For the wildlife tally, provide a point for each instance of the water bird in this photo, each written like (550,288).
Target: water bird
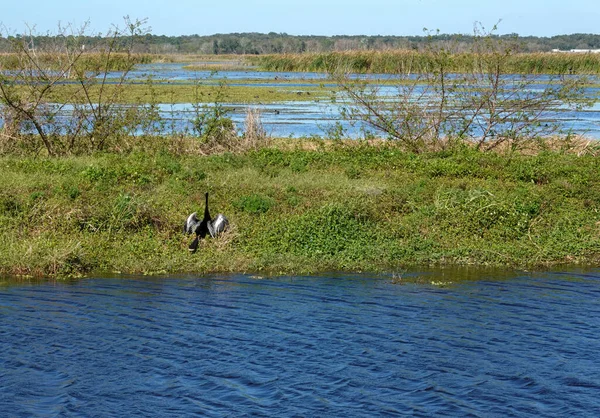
(213,227)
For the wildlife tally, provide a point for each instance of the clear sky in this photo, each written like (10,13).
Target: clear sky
(313,17)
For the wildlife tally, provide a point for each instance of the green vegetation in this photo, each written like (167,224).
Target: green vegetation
(293,209)
(406,61)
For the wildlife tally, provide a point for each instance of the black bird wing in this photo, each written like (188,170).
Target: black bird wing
(191,224)
(200,228)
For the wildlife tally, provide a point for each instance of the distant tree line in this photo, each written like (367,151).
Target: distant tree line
(270,43)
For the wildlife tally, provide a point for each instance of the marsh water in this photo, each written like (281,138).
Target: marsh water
(311,116)
(318,118)
(423,343)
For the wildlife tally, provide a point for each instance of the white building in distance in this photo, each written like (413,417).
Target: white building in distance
(579,51)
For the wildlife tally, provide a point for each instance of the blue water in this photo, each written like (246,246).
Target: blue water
(437,343)
(313,118)
(310,117)
(306,119)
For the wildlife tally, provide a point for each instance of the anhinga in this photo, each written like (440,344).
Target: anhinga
(207,225)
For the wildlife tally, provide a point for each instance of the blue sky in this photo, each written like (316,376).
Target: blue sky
(313,17)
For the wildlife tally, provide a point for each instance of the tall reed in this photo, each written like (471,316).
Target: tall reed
(403,61)
(88,61)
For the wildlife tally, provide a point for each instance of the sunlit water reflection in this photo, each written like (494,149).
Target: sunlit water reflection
(307,118)
(320,118)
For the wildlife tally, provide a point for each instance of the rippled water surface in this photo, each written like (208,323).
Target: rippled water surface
(319,117)
(308,118)
(426,344)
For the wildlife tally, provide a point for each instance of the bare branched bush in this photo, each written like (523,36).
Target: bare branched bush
(434,108)
(61,91)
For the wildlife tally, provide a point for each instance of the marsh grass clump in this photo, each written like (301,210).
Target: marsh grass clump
(218,133)
(118,61)
(255,136)
(402,61)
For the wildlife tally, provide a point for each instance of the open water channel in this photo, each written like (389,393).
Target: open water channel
(427,343)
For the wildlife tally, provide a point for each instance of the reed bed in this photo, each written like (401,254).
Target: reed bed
(404,61)
(92,60)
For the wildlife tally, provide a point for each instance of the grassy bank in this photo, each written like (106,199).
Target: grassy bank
(165,92)
(401,61)
(340,207)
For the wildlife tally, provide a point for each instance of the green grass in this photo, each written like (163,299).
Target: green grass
(142,92)
(350,208)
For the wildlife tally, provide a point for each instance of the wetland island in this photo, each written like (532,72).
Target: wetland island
(473,150)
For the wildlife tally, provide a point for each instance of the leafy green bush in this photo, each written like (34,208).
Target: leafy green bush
(254,204)
(331,231)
